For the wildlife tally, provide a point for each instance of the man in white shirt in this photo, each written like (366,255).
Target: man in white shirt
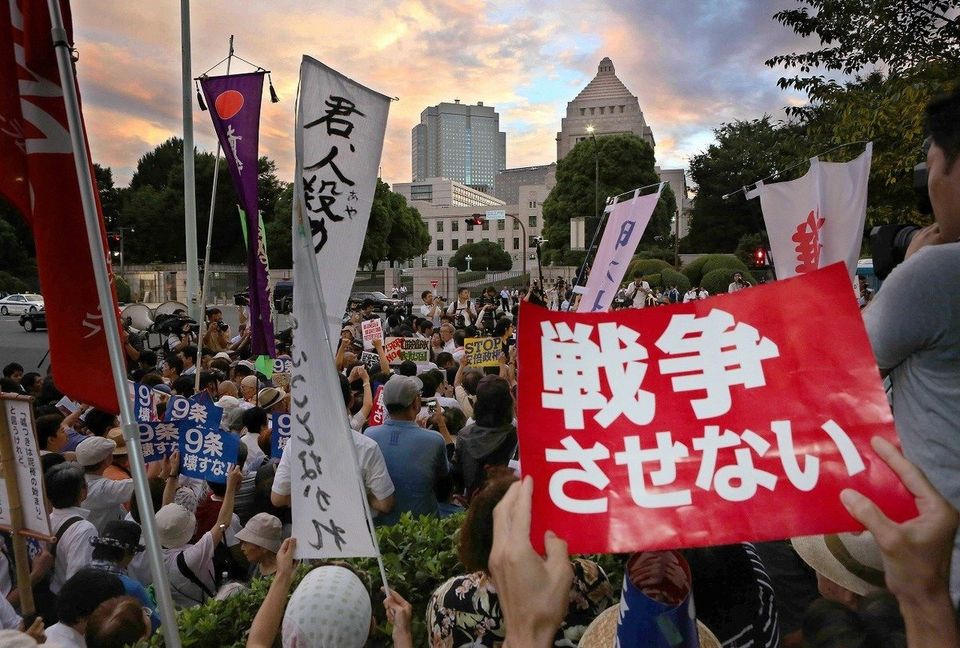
(432,307)
(738,283)
(105,497)
(637,291)
(189,357)
(690,295)
(80,596)
(462,310)
(66,489)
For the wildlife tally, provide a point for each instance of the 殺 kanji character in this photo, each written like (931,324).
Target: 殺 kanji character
(807,238)
(588,472)
(212,444)
(197,413)
(743,472)
(666,454)
(571,374)
(803,479)
(848,452)
(715,353)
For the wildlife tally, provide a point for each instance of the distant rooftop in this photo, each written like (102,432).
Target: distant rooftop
(606,85)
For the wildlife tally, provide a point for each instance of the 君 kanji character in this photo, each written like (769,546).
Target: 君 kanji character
(666,454)
(588,472)
(743,472)
(571,374)
(339,107)
(715,353)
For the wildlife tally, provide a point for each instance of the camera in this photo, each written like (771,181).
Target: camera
(240,299)
(223,326)
(889,243)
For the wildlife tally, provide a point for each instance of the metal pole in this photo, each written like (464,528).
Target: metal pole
(524,246)
(121,252)
(202,322)
(596,204)
(189,185)
(131,432)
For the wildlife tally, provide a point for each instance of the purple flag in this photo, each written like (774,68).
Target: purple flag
(235,109)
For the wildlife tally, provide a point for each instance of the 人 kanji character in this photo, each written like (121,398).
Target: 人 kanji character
(588,473)
(715,353)
(666,454)
(743,472)
(571,370)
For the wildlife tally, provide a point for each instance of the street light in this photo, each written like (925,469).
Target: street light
(468,259)
(118,236)
(596,202)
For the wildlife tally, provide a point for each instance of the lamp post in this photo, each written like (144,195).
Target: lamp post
(468,259)
(596,204)
(526,242)
(119,238)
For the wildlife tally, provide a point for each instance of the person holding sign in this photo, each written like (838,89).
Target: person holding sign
(66,490)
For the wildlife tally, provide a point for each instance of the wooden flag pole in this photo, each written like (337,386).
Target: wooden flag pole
(20,557)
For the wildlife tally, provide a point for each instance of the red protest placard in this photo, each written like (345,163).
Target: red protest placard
(372,330)
(736,418)
(378,413)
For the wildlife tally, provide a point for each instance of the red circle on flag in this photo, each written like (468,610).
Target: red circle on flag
(228,103)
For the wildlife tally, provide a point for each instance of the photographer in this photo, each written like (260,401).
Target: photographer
(489,309)
(462,309)
(738,283)
(914,322)
(431,307)
(180,330)
(217,336)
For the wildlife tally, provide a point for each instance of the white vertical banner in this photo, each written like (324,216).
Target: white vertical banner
(329,519)
(26,464)
(626,224)
(339,138)
(817,219)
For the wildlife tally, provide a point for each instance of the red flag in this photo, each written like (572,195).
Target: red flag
(39,178)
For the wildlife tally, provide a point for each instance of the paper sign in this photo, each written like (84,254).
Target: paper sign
(282,365)
(400,349)
(26,457)
(370,360)
(177,409)
(717,421)
(483,352)
(279,433)
(158,439)
(205,453)
(434,283)
(143,403)
(372,330)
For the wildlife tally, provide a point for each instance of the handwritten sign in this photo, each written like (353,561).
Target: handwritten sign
(684,425)
(399,349)
(370,360)
(378,413)
(483,352)
(372,330)
(29,472)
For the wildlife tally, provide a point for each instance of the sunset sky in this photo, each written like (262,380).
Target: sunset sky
(694,64)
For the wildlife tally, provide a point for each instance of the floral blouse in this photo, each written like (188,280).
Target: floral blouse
(465,610)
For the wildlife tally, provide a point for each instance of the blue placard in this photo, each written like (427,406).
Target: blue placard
(143,403)
(207,453)
(279,433)
(177,409)
(158,439)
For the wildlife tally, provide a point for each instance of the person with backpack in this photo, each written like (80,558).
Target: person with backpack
(190,567)
(66,489)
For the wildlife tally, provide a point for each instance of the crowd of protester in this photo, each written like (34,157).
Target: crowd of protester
(448,443)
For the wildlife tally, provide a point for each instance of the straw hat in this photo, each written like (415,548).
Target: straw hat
(116,435)
(602,633)
(851,561)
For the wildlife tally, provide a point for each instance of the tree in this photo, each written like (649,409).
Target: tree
(376,243)
(484,255)
(745,152)
(854,35)
(409,237)
(625,163)
(109,195)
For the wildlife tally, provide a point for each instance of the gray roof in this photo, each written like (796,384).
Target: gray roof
(605,85)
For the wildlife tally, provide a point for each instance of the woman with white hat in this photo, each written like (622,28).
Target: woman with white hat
(260,541)
(190,566)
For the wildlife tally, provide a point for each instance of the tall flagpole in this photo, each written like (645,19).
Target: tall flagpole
(131,432)
(202,322)
(189,184)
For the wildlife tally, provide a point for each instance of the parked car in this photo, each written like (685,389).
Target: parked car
(33,321)
(380,301)
(282,297)
(21,303)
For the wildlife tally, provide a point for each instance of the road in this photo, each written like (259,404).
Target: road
(16,345)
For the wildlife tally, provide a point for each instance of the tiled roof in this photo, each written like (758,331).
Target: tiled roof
(605,85)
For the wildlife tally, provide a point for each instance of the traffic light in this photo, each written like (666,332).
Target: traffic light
(760,257)
(474,220)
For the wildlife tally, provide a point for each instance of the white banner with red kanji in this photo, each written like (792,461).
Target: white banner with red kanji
(817,219)
(736,418)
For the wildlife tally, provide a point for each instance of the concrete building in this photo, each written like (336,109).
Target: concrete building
(608,107)
(459,142)
(507,184)
(445,205)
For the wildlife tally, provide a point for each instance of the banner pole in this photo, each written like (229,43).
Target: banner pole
(202,322)
(593,241)
(21,558)
(108,310)
(189,171)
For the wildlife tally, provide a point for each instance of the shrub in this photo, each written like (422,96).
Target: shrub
(653,279)
(122,289)
(646,267)
(419,554)
(718,261)
(11,284)
(694,269)
(717,281)
(671,277)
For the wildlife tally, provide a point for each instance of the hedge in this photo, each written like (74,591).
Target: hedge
(646,267)
(419,554)
(717,281)
(697,269)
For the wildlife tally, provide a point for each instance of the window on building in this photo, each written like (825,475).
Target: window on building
(486,225)
(516,225)
(592,111)
(439,225)
(454,245)
(469,241)
(621,108)
(601,109)
(500,225)
(531,242)
(454,225)
(439,245)
(501,243)
(583,111)
(516,242)
(533,220)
